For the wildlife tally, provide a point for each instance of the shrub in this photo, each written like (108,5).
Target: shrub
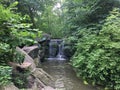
(14,31)
(97,57)
(20,78)
(5,75)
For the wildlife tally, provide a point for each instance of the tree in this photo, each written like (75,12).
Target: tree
(33,8)
(14,31)
(85,13)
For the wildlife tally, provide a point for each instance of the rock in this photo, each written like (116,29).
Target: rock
(45,37)
(27,59)
(43,77)
(9,87)
(44,46)
(41,55)
(24,65)
(48,88)
(37,62)
(34,87)
(31,51)
(38,85)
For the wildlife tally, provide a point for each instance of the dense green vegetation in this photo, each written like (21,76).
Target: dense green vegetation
(90,29)
(95,26)
(5,75)
(43,15)
(14,31)
(97,56)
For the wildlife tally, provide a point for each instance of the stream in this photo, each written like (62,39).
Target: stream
(65,77)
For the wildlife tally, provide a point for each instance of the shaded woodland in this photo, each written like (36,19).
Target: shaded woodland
(90,28)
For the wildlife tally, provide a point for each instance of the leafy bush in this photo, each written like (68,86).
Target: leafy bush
(14,31)
(97,57)
(20,78)
(5,75)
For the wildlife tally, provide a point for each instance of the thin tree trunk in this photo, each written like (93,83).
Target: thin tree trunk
(32,17)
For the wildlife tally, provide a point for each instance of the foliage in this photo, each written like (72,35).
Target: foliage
(20,79)
(18,57)
(5,75)
(79,14)
(41,15)
(14,31)
(70,46)
(85,21)
(50,21)
(97,56)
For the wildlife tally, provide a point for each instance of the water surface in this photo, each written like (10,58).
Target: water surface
(65,78)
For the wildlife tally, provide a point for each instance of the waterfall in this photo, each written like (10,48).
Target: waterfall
(56,47)
(59,52)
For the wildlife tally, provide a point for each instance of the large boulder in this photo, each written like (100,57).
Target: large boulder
(42,80)
(9,87)
(43,77)
(31,51)
(36,86)
(27,59)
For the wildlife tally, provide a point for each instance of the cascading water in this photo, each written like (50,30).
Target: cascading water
(56,47)
(52,48)
(59,52)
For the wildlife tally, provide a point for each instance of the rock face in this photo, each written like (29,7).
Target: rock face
(44,46)
(27,59)
(38,79)
(43,77)
(9,87)
(32,51)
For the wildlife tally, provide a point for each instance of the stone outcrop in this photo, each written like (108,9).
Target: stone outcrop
(27,59)
(43,43)
(39,79)
(9,87)
(32,51)
(43,77)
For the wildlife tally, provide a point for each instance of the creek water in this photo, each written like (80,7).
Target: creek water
(65,77)
(59,68)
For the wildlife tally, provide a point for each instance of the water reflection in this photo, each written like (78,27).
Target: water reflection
(65,76)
